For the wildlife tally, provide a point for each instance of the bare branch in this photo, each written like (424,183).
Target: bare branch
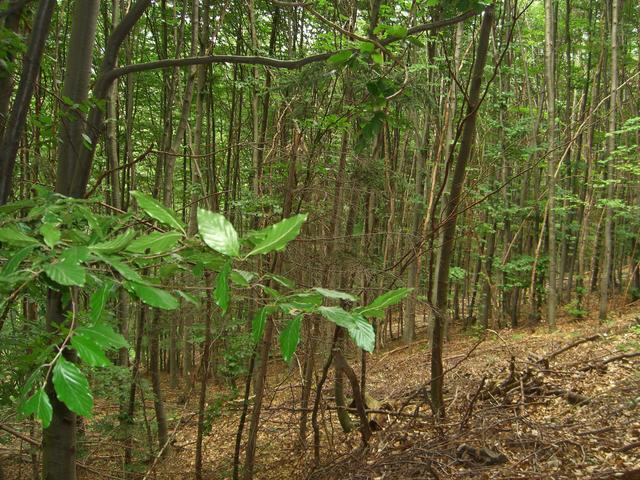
(267,61)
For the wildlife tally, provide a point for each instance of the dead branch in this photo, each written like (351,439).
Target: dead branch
(615,358)
(554,354)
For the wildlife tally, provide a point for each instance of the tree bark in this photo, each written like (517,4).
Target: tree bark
(611,145)
(451,211)
(550,77)
(18,116)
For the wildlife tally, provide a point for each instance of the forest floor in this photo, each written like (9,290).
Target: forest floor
(520,404)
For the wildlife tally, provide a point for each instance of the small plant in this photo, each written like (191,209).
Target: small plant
(575,310)
(477,331)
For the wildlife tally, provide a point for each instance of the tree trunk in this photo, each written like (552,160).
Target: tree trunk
(154,370)
(451,211)
(550,77)
(12,130)
(611,145)
(202,400)
(59,438)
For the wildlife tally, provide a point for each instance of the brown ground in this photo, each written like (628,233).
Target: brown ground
(569,417)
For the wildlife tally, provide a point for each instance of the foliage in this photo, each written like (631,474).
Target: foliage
(56,243)
(574,309)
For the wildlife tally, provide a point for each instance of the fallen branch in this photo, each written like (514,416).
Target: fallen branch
(554,354)
(467,414)
(483,456)
(615,358)
(628,447)
(38,444)
(574,398)
(21,436)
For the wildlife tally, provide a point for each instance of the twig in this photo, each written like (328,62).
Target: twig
(628,447)
(604,362)
(139,158)
(467,414)
(21,436)
(554,354)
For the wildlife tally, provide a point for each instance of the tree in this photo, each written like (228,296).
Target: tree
(452,210)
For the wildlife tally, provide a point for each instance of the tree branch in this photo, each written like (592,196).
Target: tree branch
(267,61)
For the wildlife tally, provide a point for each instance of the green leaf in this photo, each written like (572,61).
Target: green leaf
(9,282)
(122,268)
(39,405)
(218,233)
(91,341)
(369,130)
(155,242)
(377,58)
(209,259)
(156,210)
(92,220)
(340,57)
(168,270)
(154,296)
(16,259)
(359,329)
(221,293)
(362,333)
(397,31)
(273,293)
(77,254)
(99,300)
(13,236)
(334,294)
(258,322)
(190,298)
(66,273)
(102,335)
(278,235)
(376,308)
(89,351)
(337,315)
(114,245)
(290,337)
(17,205)
(241,277)
(284,281)
(366,47)
(305,301)
(72,387)
(50,234)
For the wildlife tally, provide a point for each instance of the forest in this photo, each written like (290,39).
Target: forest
(319,239)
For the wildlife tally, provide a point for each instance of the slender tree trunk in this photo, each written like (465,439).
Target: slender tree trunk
(451,211)
(550,76)
(611,145)
(12,24)
(154,370)
(418,211)
(131,403)
(59,439)
(111,146)
(202,400)
(265,344)
(12,130)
